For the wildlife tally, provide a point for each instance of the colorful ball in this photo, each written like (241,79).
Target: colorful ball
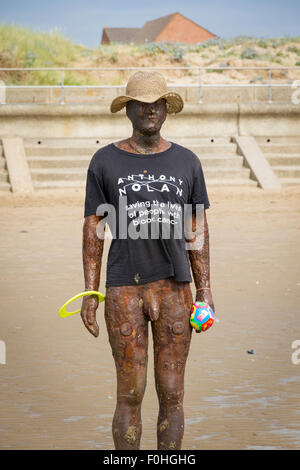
(202,316)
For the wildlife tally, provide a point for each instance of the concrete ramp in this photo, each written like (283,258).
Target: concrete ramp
(283,155)
(256,161)
(16,163)
(4,179)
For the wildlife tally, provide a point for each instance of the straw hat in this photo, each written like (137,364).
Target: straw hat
(148,87)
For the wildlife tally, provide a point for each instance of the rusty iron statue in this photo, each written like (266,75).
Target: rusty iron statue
(164,302)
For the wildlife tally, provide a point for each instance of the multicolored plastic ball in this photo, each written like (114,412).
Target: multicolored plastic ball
(202,316)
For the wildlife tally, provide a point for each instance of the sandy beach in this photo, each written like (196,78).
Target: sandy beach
(58,387)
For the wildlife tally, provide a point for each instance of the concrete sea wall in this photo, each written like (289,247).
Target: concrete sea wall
(87,120)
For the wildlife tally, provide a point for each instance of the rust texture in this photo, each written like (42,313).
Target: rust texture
(92,250)
(200,262)
(164,304)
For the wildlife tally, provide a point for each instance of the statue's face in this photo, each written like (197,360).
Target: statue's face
(147,118)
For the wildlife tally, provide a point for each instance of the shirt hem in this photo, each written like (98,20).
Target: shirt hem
(157,277)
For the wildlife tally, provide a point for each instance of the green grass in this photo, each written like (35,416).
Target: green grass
(38,49)
(22,47)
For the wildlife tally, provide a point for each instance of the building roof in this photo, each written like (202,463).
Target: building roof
(149,32)
(151,29)
(120,34)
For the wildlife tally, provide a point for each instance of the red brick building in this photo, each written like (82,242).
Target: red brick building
(171,28)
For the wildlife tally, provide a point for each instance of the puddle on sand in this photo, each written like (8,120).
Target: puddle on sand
(288,380)
(23,406)
(92,444)
(252,390)
(230,401)
(264,401)
(73,419)
(201,438)
(196,420)
(103,428)
(263,448)
(290,433)
(223,401)
(108,415)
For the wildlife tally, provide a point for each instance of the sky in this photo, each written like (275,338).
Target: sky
(83,21)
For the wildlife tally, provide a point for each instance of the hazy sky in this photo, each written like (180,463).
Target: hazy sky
(82,21)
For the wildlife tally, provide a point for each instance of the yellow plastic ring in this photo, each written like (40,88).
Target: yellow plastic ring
(64,313)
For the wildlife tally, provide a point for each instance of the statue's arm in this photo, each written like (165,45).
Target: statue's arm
(199,259)
(92,251)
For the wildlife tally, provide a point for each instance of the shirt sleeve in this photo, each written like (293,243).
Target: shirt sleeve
(199,192)
(94,194)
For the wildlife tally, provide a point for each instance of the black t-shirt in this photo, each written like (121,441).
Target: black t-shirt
(148,193)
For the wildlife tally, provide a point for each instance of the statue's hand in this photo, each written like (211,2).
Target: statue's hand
(205,295)
(88,314)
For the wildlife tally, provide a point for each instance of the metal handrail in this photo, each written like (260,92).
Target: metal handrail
(195,67)
(200,84)
(172,85)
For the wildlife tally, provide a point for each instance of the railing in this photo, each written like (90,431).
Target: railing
(200,70)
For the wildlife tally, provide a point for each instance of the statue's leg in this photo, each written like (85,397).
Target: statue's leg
(128,336)
(171,336)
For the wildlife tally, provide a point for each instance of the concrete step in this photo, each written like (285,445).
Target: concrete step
(59,184)
(199,140)
(74,161)
(290,181)
(90,150)
(78,161)
(287,171)
(59,151)
(278,139)
(2,162)
(181,140)
(3,176)
(59,163)
(81,183)
(283,159)
(5,186)
(54,174)
(66,142)
(49,174)
(230,182)
(212,149)
(213,173)
(283,148)
(230,161)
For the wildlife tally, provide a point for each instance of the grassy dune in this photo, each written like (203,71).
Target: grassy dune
(21,47)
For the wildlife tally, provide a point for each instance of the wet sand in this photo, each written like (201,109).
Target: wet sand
(58,386)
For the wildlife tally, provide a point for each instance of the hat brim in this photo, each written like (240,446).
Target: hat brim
(174,101)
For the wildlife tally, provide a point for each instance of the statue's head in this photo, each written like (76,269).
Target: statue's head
(147,101)
(147,118)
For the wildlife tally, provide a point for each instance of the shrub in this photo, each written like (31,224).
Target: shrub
(263,43)
(258,78)
(249,54)
(113,59)
(275,43)
(177,55)
(294,49)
